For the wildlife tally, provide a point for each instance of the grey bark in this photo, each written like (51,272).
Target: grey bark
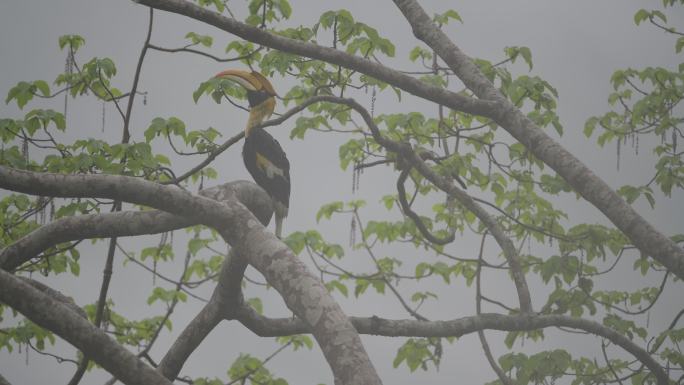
(491,105)
(271,327)
(330,55)
(592,188)
(407,153)
(224,303)
(126,223)
(53,315)
(303,293)
(227,303)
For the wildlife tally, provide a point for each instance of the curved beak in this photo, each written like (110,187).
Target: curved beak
(248,81)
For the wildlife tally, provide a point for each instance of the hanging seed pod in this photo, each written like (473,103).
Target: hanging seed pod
(154,272)
(359,171)
(353,189)
(68,69)
(618,154)
(636,149)
(356,176)
(352,232)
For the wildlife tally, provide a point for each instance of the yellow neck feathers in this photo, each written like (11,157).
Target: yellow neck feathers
(259,113)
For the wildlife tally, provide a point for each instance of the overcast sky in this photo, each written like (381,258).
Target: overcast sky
(576,45)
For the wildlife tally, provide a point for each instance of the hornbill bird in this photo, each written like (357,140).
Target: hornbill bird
(264,158)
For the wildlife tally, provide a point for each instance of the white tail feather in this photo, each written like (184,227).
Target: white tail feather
(279,227)
(280,214)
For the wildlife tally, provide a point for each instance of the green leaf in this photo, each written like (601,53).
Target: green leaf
(42,86)
(510,339)
(195,38)
(154,129)
(22,93)
(527,56)
(443,18)
(107,66)
(284,8)
(203,88)
(630,193)
(640,16)
(74,41)
(197,244)
(256,303)
(351,152)
(335,284)
(388,201)
(649,197)
(361,286)
(453,15)
(659,15)
(327,210)
(421,52)
(590,126)
(642,264)
(176,126)
(414,352)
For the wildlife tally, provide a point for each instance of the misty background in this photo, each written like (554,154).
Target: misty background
(575,46)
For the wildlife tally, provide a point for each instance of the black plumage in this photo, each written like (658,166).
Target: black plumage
(267,163)
(264,158)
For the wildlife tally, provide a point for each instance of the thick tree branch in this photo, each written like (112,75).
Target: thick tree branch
(405,151)
(650,241)
(191,337)
(225,301)
(478,311)
(53,315)
(303,293)
(127,223)
(330,55)
(491,104)
(141,223)
(405,82)
(126,136)
(273,327)
(55,294)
